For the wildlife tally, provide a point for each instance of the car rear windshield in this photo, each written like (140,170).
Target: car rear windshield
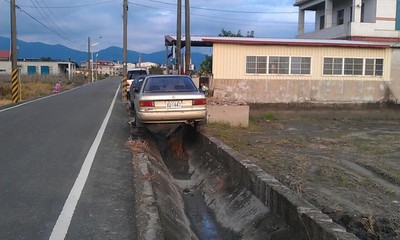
(169,84)
(133,73)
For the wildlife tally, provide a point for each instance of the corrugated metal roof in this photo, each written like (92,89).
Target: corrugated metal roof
(295,42)
(207,40)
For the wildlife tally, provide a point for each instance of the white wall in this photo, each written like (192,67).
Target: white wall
(23,66)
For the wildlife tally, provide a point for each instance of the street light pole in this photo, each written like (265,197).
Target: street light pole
(97,65)
(89,69)
(92,62)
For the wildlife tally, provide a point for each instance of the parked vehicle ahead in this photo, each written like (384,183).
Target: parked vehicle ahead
(136,83)
(131,74)
(169,99)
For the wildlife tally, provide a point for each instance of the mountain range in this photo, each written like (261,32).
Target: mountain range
(38,50)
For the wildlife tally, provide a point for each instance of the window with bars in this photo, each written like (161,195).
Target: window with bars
(278,65)
(353,66)
(251,64)
(374,67)
(333,66)
(256,64)
(300,65)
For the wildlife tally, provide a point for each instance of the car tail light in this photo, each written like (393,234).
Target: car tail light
(200,101)
(146,103)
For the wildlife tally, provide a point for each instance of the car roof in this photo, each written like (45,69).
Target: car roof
(168,76)
(141,76)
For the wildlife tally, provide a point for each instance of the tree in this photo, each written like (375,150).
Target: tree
(206,66)
(250,34)
(224,33)
(155,70)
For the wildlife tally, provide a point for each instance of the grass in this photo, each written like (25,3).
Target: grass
(5,102)
(269,116)
(303,150)
(35,86)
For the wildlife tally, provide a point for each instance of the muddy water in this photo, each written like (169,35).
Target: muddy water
(202,218)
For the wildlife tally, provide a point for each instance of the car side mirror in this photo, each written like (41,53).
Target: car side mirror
(136,90)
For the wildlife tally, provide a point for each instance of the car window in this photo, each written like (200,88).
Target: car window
(169,84)
(138,82)
(133,73)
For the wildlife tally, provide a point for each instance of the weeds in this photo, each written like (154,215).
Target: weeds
(137,145)
(269,116)
(34,86)
(368,224)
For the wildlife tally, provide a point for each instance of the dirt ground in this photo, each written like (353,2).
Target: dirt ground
(344,161)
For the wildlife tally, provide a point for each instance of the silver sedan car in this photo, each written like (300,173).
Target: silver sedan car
(169,99)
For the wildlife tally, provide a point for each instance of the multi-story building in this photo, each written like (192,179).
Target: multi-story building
(367,20)
(103,67)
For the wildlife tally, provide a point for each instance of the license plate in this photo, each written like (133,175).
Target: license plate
(174,104)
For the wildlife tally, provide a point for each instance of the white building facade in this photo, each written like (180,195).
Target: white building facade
(40,67)
(367,20)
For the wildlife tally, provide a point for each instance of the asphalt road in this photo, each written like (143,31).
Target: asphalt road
(45,145)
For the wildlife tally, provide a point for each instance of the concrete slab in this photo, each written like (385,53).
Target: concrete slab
(234,115)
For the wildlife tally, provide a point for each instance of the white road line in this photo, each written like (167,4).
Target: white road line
(64,220)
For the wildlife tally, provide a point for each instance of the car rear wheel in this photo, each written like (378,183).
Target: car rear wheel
(138,123)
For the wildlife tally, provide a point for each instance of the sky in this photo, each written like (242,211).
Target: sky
(71,22)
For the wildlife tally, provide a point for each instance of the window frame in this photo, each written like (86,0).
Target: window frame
(302,64)
(280,68)
(352,65)
(377,66)
(334,69)
(321,22)
(262,65)
(340,17)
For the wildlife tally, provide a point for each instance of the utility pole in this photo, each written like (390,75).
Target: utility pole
(187,38)
(125,51)
(15,85)
(89,68)
(178,36)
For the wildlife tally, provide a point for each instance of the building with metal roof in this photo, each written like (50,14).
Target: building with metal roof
(267,70)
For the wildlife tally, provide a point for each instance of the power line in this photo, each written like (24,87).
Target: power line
(73,6)
(48,18)
(44,25)
(45,17)
(213,18)
(225,10)
(55,17)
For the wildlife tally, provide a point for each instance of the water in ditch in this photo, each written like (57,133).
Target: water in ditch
(201,217)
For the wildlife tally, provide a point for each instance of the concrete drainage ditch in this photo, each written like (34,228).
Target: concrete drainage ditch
(192,186)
